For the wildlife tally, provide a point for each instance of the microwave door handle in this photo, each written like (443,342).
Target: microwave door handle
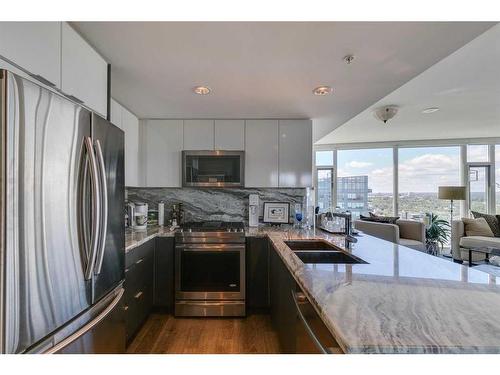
(104,208)
(96,206)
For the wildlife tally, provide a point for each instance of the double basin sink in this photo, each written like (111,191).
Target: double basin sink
(321,252)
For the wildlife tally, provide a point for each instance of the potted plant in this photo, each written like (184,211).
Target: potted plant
(436,234)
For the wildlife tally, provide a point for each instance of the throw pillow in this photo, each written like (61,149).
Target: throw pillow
(477,227)
(495,260)
(492,221)
(379,219)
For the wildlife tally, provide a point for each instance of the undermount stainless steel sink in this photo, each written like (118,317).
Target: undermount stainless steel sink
(311,245)
(321,252)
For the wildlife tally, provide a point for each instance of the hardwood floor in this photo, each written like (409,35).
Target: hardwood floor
(164,333)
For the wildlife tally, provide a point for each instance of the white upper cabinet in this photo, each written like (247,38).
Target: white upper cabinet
(129,123)
(229,135)
(116,113)
(198,134)
(295,153)
(161,152)
(261,153)
(83,71)
(34,46)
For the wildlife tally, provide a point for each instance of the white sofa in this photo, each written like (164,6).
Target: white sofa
(409,233)
(460,243)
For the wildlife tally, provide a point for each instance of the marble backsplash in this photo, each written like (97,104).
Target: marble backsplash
(215,204)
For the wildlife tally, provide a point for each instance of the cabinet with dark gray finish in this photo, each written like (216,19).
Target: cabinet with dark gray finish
(139,272)
(283,310)
(164,273)
(257,273)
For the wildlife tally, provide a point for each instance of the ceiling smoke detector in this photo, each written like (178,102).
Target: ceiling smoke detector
(202,90)
(384,114)
(348,59)
(322,90)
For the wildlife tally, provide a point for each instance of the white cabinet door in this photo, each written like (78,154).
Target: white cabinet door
(230,135)
(84,71)
(162,146)
(295,153)
(34,46)
(130,125)
(116,113)
(261,153)
(198,134)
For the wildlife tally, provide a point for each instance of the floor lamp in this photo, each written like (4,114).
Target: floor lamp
(452,193)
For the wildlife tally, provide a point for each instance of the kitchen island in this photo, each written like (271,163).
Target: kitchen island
(400,301)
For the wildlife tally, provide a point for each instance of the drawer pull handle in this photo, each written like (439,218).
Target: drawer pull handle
(139,261)
(138,295)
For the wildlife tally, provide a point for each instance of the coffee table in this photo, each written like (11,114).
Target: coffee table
(487,250)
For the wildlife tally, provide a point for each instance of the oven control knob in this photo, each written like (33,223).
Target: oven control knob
(229,230)
(190,230)
(241,230)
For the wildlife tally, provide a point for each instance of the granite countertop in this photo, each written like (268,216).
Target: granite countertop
(401,301)
(134,238)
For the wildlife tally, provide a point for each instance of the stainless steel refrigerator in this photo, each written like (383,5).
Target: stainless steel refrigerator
(61,224)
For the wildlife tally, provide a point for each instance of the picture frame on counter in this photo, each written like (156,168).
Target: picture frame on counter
(276,212)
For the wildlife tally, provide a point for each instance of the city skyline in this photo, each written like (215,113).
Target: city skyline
(421,170)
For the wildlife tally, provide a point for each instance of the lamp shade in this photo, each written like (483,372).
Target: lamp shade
(456,193)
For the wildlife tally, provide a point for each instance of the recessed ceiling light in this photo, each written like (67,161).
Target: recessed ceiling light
(430,110)
(322,90)
(202,90)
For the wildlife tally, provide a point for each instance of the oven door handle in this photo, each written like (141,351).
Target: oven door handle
(214,247)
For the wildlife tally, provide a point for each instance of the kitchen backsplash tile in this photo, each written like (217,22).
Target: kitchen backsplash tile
(214,204)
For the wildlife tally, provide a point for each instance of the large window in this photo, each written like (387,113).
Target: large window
(325,189)
(324,178)
(477,153)
(421,171)
(365,181)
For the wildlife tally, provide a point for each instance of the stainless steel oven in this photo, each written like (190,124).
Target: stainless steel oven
(210,269)
(213,168)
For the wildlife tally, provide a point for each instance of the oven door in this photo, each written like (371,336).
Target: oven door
(210,272)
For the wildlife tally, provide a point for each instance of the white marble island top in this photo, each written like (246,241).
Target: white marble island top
(402,301)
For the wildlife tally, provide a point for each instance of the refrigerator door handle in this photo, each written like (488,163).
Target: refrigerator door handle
(96,207)
(87,327)
(104,211)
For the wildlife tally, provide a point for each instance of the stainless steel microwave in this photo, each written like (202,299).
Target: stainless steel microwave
(213,168)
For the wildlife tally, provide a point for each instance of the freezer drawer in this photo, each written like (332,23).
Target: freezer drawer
(106,337)
(100,330)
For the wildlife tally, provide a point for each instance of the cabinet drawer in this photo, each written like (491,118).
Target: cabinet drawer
(139,252)
(137,310)
(138,276)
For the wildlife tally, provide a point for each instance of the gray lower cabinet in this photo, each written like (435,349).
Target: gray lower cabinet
(283,310)
(139,287)
(164,273)
(257,273)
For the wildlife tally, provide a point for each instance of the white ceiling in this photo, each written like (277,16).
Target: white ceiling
(465,86)
(267,70)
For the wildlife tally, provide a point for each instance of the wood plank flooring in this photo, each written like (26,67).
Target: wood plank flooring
(164,333)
